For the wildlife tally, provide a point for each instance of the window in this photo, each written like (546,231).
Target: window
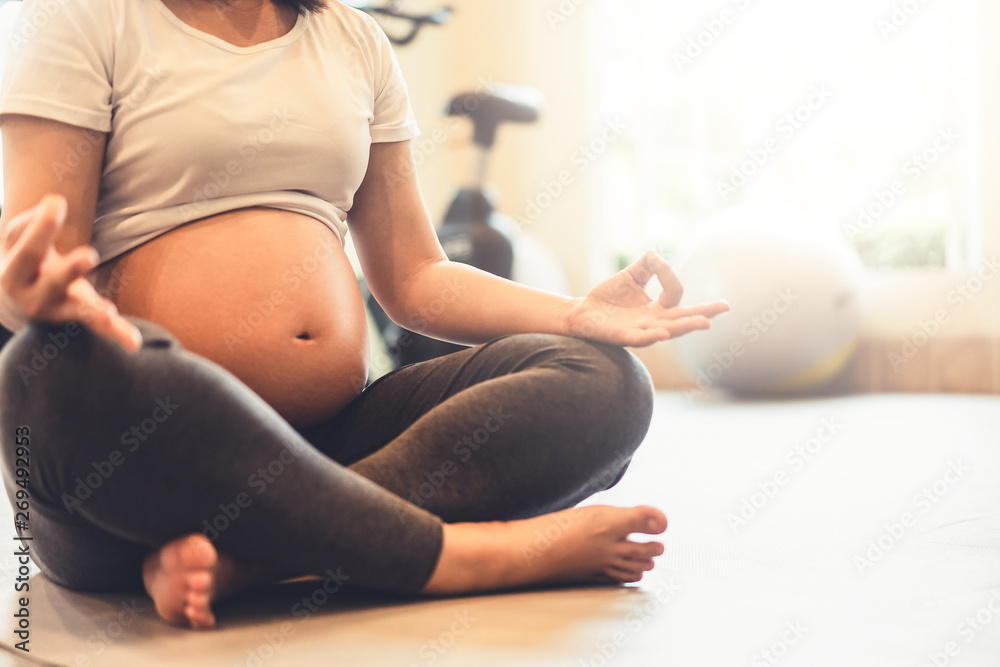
(865,113)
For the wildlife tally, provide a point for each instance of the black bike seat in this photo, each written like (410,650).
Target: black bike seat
(500,104)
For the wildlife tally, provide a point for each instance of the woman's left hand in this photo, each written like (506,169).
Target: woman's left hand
(618,311)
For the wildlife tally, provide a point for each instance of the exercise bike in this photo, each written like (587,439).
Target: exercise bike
(473,231)
(389,15)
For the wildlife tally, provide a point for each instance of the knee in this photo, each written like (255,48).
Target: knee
(67,370)
(43,356)
(604,387)
(70,387)
(618,388)
(38,355)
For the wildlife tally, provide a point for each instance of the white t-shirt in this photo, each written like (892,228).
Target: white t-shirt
(198,126)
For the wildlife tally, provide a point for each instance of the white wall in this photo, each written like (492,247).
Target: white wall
(510,42)
(514,42)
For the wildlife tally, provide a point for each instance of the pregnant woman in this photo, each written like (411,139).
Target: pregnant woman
(179,178)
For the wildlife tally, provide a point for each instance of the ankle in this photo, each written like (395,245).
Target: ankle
(474,556)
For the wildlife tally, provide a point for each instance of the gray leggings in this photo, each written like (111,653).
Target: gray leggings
(127,452)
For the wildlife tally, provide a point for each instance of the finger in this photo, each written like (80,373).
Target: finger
(646,337)
(652,264)
(671,284)
(705,309)
(60,272)
(106,321)
(15,226)
(643,268)
(39,235)
(127,334)
(101,316)
(687,325)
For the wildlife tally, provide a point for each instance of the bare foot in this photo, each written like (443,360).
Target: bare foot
(587,544)
(186,575)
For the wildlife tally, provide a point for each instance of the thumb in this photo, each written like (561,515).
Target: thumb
(652,264)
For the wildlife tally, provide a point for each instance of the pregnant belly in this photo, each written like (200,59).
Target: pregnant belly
(268,295)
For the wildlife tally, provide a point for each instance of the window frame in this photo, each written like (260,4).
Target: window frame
(898,299)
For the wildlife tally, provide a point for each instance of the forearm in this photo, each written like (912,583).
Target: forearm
(462,304)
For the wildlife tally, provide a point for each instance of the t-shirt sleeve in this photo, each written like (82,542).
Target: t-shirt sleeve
(58,63)
(393,115)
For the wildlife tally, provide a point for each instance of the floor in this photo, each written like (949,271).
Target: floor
(841,531)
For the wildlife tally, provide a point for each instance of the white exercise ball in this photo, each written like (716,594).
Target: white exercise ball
(794,285)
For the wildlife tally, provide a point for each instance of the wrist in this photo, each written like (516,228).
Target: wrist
(570,315)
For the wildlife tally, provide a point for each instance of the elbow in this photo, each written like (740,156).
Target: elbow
(427,301)
(400,307)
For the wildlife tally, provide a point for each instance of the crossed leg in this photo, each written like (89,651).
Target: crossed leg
(178,447)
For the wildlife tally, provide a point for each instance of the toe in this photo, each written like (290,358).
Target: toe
(624,575)
(199,618)
(640,551)
(198,553)
(200,580)
(644,519)
(198,600)
(644,565)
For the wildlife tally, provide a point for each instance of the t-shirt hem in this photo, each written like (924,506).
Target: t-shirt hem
(390,134)
(115,237)
(46,108)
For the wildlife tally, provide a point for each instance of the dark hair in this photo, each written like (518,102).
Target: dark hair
(303,6)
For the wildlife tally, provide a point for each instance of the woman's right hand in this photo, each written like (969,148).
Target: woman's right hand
(51,287)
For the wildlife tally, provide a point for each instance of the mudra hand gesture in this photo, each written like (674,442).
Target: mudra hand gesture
(620,312)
